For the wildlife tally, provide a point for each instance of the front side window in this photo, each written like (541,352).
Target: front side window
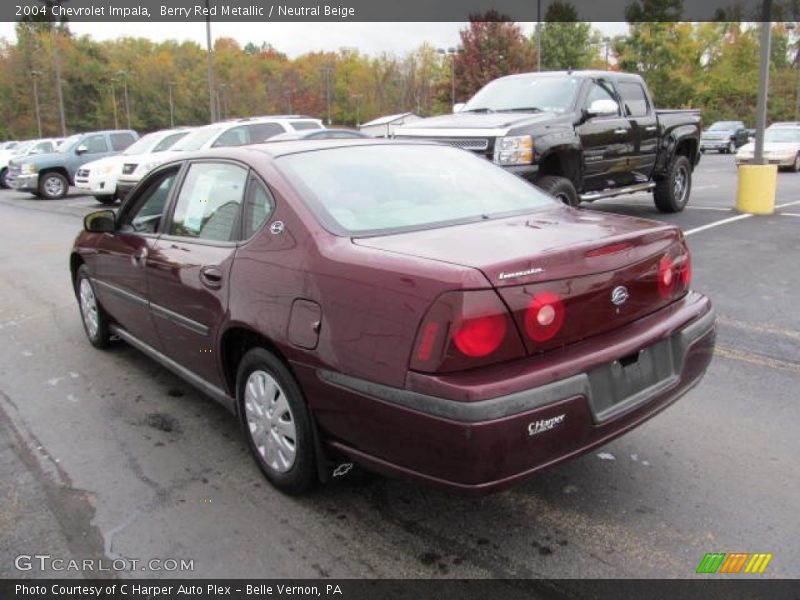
(599,91)
(300,125)
(209,201)
(148,209)
(236,136)
(258,132)
(96,144)
(367,190)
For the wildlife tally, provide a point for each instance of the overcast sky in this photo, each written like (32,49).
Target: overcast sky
(297,38)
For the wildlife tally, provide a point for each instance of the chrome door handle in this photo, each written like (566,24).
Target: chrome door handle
(651,128)
(620,131)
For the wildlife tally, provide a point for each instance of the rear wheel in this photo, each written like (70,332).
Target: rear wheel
(53,186)
(560,187)
(672,192)
(4,183)
(731,147)
(796,164)
(276,421)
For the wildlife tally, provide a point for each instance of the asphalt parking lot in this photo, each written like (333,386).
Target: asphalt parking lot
(105,454)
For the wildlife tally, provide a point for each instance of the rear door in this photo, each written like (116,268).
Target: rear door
(606,141)
(644,129)
(190,264)
(119,266)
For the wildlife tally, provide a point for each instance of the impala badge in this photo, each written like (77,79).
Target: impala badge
(620,295)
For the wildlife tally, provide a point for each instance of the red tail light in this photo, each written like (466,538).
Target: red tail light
(686,268)
(675,272)
(544,316)
(463,330)
(667,277)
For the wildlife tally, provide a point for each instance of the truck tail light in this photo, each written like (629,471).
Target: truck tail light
(463,330)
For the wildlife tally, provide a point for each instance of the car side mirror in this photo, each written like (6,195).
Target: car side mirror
(82,149)
(603,107)
(100,221)
(458,107)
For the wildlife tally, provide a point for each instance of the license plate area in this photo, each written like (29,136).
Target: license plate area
(628,381)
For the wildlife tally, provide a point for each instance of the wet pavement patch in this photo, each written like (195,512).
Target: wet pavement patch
(162,422)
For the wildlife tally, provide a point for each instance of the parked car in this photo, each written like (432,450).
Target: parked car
(99,177)
(22,149)
(578,135)
(781,147)
(403,305)
(320,134)
(725,137)
(237,132)
(49,176)
(8,145)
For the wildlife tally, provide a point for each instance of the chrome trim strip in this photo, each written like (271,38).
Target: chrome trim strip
(179,319)
(120,292)
(204,386)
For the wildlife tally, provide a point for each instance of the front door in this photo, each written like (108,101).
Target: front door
(606,141)
(190,265)
(644,130)
(120,263)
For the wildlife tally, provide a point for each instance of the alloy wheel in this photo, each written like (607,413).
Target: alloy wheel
(270,421)
(680,184)
(89,308)
(54,187)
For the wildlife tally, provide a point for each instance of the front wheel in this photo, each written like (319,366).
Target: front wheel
(276,421)
(672,192)
(731,147)
(53,186)
(795,168)
(559,187)
(4,182)
(95,321)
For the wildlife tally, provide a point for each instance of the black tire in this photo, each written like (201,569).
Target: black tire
(667,195)
(107,200)
(4,179)
(560,187)
(731,149)
(795,168)
(100,335)
(301,475)
(53,186)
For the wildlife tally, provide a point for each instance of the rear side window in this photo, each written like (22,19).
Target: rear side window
(209,201)
(168,141)
(634,99)
(299,125)
(120,141)
(257,208)
(95,144)
(236,136)
(263,131)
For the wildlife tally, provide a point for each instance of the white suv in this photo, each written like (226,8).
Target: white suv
(237,132)
(99,178)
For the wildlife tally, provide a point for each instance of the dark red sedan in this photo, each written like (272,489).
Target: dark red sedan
(405,306)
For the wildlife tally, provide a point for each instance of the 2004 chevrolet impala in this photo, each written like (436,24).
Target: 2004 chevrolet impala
(402,305)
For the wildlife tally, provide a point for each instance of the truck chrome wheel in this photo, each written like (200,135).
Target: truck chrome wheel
(270,421)
(680,183)
(54,187)
(89,308)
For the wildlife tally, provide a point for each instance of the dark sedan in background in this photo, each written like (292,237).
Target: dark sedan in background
(403,305)
(725,137)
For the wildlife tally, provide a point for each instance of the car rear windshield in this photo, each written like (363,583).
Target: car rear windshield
(542,93)
(196,139)
(376,189)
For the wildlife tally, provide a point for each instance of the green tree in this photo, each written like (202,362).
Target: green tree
(566,42)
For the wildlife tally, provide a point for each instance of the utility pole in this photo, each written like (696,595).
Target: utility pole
(35,75)
(327,72)
(114,103)
(223,108)
(452,53)
(288,95)
(170,85)
(607,43)
(212,108)
(357,98)
(57,70)
(122,75)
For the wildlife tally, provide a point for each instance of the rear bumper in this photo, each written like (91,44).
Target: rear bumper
(714,144)
(481,445)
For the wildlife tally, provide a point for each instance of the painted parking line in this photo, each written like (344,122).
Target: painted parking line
(756,359)
(759,327)
(790,214)
(736,218)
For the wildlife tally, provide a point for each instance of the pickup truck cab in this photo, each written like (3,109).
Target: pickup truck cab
(49,175)
(579,135)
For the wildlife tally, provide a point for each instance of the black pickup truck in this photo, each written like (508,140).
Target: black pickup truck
(579,135)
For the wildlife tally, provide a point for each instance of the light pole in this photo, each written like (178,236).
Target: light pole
(212,107)
(171,85)
(357,98)
(114,102)
(763,82)
(607,44)
(327,72)
(223,105)
(789,28)
(452,53)
(288,95)
(35,75)
(123,76)
(538,35)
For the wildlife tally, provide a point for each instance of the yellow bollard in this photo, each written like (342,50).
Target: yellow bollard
(755,193)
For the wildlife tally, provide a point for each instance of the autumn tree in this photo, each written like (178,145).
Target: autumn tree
(493,47)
